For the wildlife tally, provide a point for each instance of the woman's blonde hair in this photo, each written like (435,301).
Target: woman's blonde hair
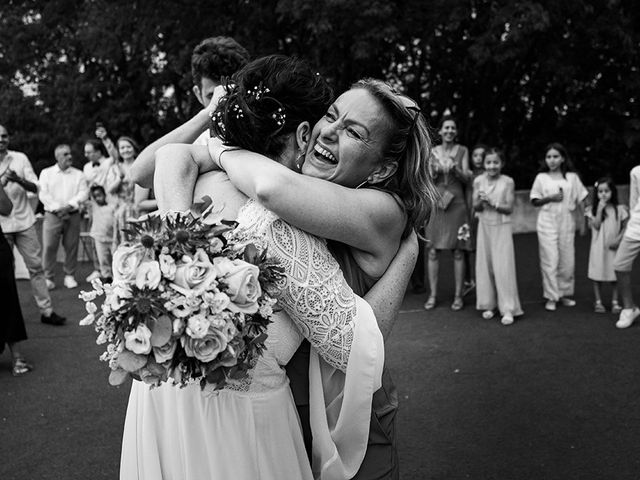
(409,145)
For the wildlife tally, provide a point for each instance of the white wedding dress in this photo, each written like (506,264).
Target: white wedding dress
(250,429)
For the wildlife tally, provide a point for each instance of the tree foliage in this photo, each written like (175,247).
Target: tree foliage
(517,74)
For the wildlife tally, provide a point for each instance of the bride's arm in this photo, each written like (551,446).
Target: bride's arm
(369,220)
(176,172)
(315,294)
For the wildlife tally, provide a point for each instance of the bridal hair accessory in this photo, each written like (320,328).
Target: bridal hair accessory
(188,303)
(258,91)
(279,116)
(216,117)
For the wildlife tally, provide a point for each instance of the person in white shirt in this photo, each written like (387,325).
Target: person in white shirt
(98,170)
(62,189)
(627,253)
(18,178)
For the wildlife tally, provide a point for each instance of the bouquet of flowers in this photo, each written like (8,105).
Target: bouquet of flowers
(186,303)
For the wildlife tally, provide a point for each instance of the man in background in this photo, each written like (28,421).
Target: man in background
(63,189)
(18,178)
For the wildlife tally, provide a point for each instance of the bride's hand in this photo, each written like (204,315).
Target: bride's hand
(218,93)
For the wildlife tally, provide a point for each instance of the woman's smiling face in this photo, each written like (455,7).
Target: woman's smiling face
(348,143)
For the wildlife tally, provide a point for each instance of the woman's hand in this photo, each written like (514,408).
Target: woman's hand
(218,93)
(101,133)
(556,197)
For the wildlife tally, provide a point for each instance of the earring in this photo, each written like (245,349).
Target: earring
(298,158)
(363,183)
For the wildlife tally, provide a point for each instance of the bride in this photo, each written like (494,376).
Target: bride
(273,100)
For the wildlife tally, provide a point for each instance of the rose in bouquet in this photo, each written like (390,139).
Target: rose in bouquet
(186,303)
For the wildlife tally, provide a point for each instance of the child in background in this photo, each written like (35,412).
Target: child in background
(493,196)
(607,220)
(477,168)
(559,193)
(102,223)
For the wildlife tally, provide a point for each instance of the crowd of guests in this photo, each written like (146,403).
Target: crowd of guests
(101,192)
(473,217)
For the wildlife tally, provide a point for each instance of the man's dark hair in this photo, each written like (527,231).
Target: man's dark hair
(217,57)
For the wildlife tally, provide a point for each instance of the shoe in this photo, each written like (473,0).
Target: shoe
(430,303)
(20,367)
(598,307)
(550,306)
(568,302)
(50,284)
(507,319)
(457,304)
(53,319)
(92,276)
(468,287)
(627,317)
(615,307)
(488,314)
(70,282)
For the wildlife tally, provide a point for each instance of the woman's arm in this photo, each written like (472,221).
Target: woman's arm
(463,172)
(386,296)
(506,207)
(369,220)
(114,178)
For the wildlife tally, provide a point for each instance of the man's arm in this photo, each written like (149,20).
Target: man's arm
(144,165)
(633,189)
(386,296)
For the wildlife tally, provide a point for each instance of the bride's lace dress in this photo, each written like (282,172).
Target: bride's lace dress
(250,429)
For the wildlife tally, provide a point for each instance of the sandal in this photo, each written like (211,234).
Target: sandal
(20,367)
(488,314)
(457,304)
(598,307)
(615,307)
(430,303)
(507,319)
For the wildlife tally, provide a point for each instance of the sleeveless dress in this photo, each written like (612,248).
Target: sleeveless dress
(445,223)
(250,429)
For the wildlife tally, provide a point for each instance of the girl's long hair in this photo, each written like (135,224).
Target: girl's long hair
(565,166)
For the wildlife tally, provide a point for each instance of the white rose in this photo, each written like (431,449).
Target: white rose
(243,287)
(194,275)
(167,266)
(207,348)
(148,275)
(197,326)
(126,260)
(166,351)
(138,340)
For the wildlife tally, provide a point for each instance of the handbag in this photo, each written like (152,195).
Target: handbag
(446,197)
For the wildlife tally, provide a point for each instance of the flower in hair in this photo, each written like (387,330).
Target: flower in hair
(239,113)
(258,91)
(216,117)
(279,116)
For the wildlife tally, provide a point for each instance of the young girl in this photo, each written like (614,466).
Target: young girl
(607,220)
(477,168)
(559,193)
(493,195)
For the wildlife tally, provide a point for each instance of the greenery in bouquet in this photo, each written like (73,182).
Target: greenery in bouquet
(186,303)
